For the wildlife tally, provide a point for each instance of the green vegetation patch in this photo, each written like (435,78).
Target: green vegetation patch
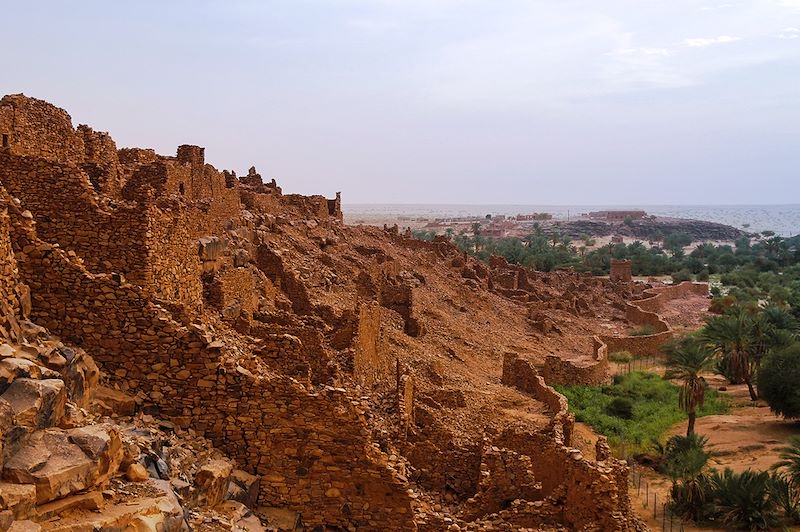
(654,408)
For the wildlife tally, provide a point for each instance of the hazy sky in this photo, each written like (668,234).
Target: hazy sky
(438,101)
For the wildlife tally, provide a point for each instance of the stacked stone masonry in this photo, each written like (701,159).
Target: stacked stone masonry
(126,253)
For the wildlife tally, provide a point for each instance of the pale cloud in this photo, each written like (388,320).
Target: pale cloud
(789,33)
(659,52)
(714,8)
(701,42)
(791,5)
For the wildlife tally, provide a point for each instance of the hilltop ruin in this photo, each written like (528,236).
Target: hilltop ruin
(368,380)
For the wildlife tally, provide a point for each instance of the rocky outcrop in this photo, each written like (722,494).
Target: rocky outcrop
(67,459)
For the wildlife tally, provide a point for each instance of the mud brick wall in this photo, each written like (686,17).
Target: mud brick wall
(311,448)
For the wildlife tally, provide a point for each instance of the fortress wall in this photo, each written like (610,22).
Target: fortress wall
(36,128)
(63,203)
(311,448)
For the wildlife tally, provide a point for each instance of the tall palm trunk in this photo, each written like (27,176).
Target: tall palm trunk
(690,428)
(750,388)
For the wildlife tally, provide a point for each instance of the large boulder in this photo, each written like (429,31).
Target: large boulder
(211,482)
(15,367)
(18,498)
(36,403)
(56,466)
(103,445)
(243,488)
(80,374)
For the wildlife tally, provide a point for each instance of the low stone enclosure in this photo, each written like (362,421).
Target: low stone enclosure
(645,312)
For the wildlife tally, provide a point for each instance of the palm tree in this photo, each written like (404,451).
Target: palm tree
(731,338)
(790,461)
(687,359)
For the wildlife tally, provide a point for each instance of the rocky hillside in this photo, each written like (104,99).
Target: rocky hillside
(355,378)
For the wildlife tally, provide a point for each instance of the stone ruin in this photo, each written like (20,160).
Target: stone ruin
(620,270)
(258,324)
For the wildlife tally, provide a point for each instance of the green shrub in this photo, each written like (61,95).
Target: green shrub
(684,456)
(644,330)
(655,408)
(786,496)
(621,407)
(742,500)
(681,275)
(621,357)
(779,381)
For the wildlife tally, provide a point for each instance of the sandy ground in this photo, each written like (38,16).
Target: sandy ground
(748,437)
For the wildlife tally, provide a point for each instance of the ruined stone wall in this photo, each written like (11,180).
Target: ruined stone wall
(369,366)
(620,270)
(557,370)
(173,267)
(558,466)
(645,312)
(663,294)
(234,291)
(101,162)
(311,448)
(521,374)
(36,128)
(67,211)
(12,291)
